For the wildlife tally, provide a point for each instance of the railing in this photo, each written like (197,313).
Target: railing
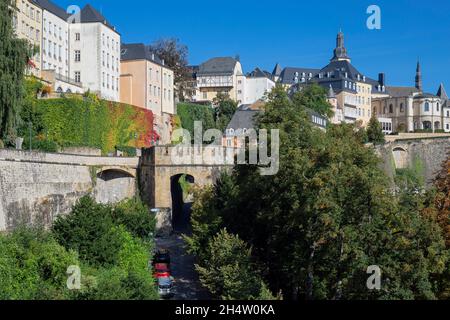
(67,80)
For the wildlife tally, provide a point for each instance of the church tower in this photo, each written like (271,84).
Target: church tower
(340,52)
(418,77)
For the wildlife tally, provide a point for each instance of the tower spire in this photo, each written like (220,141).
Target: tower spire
(419,77)
(340,52)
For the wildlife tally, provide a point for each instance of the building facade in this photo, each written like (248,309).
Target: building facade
(146,82)
(94,54)
(410,109)
(352,91)
(220,75)
(27,24)
(257,85)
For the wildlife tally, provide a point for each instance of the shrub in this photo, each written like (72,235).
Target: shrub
(33,266)
(229,273)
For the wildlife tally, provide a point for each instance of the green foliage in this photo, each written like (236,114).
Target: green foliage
(114,244)
(89,229)
(14,55)
(135,216)
(127,151)
(189,113)
(223,111)
(314,97)
(328,214)
(228,271)
(38,144)
(85,121)
(375,133)
(33,266)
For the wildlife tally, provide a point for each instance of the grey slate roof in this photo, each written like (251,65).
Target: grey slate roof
(138,51)
(277,70)
(258,73)
(401,91)
(287,76)
(220,66)
(90,14)
(442,93)
(338,69)
(243,118)
(52,8)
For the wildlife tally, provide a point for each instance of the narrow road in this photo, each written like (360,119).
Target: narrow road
(187,285)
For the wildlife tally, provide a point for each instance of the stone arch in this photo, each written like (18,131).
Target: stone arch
(400,157)
(181,202)
(113,185)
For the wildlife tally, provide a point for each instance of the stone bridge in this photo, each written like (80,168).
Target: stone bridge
(161,168)
(36,187)
(425,154)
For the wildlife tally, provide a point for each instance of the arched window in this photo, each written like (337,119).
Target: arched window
(391,108)
(427,107)
(402,109)
(385,110)
(437,107)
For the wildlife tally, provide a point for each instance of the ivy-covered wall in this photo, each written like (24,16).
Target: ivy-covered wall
(88,121)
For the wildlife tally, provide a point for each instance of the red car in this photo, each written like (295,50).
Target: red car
(162,270)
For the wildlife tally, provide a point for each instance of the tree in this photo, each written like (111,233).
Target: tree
(228,271)
(175,56)
(223,111)
(375,133)
(329,214)
(314,97)
(14,55)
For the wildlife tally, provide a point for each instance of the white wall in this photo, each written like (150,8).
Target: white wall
(256,88)
(100,58)
(55,44)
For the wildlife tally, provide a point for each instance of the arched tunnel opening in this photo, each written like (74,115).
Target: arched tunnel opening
(181,202)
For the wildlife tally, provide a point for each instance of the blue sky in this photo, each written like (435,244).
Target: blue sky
(296,33)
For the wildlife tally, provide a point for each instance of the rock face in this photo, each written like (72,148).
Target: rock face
(427,155)
(37,187)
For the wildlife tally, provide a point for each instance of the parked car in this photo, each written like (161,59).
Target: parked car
(161,270)
(161,256)
(165,287)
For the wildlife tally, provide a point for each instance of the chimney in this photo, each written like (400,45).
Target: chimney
(382,79)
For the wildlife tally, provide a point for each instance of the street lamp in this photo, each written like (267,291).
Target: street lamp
(30,129)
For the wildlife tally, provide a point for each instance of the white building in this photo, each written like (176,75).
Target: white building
(55,38)
(94,57)
(257,85)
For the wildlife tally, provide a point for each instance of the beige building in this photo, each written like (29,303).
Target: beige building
(146,82)
(28,25)
(410,109)
(220,75)
(350,91)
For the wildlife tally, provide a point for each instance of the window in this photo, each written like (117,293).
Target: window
(77,76)
(77,36)
(103,80)
(391,108)
(427,107)
(205,95)
(402,109)
(448,114)
(77,55)
(103,58)
(437,107)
